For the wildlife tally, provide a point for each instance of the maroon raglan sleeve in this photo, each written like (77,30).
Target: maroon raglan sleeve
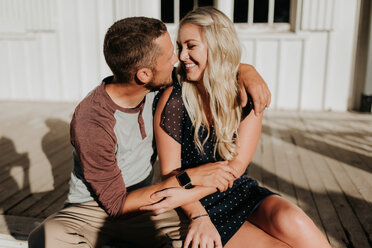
(94,140)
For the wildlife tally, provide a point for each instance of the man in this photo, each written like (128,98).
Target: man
(112,133)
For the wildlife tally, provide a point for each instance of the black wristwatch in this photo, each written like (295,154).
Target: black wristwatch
(184,180)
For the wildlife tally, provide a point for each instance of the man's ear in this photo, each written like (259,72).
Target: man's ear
(144,75)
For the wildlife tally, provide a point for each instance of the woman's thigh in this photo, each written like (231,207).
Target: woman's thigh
(250,235)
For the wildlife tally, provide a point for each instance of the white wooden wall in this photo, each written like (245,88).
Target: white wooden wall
(52,50)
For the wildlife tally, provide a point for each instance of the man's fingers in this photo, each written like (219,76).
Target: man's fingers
(232,171)
(218,243)
(195,243)
(162,193)
(203,242)
(152,207)
(269,98)
(187,241)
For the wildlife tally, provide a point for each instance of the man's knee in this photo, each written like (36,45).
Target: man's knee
(46,234)
(37,237)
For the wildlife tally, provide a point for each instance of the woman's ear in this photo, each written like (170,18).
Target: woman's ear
(144,75)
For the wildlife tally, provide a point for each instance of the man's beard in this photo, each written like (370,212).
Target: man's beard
(152,86)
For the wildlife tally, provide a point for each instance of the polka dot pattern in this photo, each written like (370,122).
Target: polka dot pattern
(228,210)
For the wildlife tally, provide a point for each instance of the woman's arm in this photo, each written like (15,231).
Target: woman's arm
(247,140)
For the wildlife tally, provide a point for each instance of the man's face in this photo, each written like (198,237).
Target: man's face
(164,63)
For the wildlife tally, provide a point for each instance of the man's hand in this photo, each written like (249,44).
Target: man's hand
(202,233)
(252,82)
(168,199)
(216,175)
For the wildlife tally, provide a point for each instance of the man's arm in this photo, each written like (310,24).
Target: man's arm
(251,81)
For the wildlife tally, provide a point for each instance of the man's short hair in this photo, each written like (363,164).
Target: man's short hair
(130,45)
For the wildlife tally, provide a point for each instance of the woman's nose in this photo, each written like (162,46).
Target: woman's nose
(184,55)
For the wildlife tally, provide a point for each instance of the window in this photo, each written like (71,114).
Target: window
(242,11)
(174,10)
(261,11)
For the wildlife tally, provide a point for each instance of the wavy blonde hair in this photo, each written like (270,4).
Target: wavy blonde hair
(219,80)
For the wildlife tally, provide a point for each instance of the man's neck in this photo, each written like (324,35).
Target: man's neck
(126,95)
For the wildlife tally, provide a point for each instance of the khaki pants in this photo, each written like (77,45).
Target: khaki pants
(88,225)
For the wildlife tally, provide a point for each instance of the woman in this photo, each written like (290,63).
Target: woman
(200,121)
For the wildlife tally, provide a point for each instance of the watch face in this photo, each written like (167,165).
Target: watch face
(183,178)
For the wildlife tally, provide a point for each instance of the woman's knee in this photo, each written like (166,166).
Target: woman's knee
(288,218)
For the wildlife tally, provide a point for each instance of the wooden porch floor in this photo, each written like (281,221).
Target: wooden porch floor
(320,161)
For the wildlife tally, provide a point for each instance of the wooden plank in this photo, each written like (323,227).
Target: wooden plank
(56,206)
(269,180)
(13,195)
(299,168)
(281,149)
(62,174)
(349,220)
(17,225)
(330,220)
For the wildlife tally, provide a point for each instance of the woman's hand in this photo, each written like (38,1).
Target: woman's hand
(216,175)
(202,233)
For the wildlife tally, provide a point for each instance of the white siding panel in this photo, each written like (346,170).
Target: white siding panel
(317,15)
(267,64)
(248,52)
(35,76)
(328,22)
(314,71)
(105,19)
(89,46)
(22,15)
(314,11)
(51,64)
(19,69)
(127,8)
(305,21)
(341,58)
(290,62)
(5,68)
(226,7)
(70,49)
(150,8)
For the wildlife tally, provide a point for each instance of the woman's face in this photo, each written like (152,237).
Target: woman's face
(192,51)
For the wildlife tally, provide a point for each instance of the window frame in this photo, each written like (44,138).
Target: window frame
(250,26)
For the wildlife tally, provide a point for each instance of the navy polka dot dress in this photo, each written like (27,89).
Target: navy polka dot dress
(228,210)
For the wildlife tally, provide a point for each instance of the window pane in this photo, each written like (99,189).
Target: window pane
(202,3)
(261,11)
(281,12)
(167,7)
(185,7)
(241,11)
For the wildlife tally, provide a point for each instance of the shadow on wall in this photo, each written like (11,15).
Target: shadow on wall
(16,198)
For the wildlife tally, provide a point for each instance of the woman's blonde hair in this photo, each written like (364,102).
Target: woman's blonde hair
(219,80)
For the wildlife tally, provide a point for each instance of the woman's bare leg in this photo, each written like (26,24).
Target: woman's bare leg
(287,222)
(250,235)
